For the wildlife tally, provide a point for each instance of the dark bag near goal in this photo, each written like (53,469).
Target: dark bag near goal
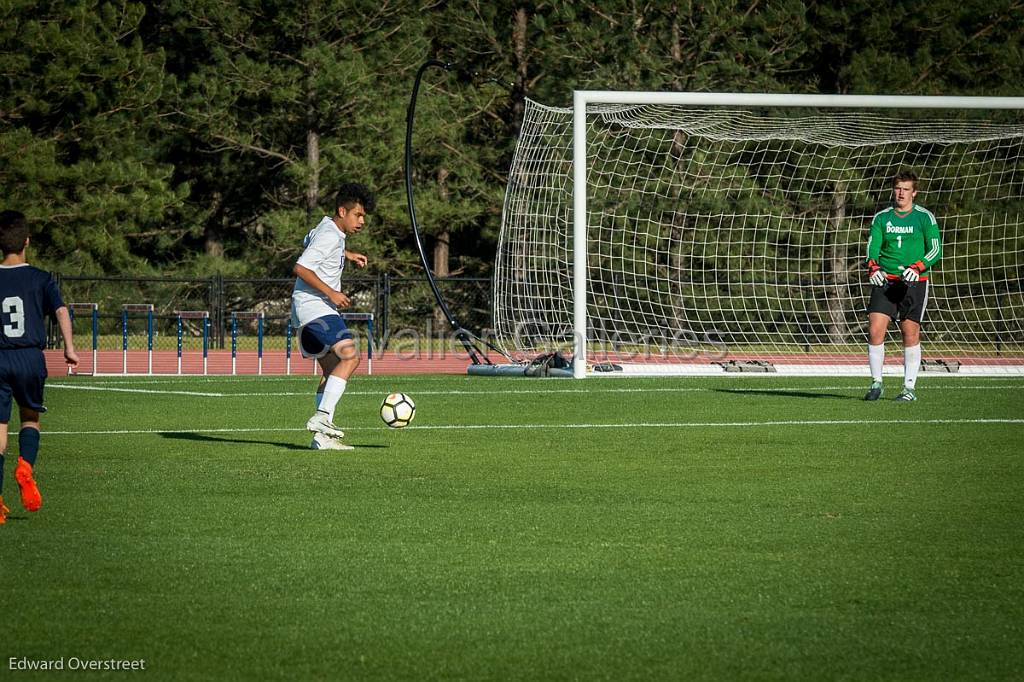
(542,365)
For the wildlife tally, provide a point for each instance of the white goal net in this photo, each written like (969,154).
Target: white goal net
(718,235)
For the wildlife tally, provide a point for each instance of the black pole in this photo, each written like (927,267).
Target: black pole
(460,333)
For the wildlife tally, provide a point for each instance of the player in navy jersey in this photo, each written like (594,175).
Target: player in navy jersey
(27,296)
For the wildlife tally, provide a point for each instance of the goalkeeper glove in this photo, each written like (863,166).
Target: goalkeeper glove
(875,274)
(913,272)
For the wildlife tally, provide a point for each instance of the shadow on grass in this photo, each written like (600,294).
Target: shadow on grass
(776,393)
(181,435)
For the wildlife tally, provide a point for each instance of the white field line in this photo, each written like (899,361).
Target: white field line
(143,379)
(156,391)
(500,391)
(195,379)
(627,425)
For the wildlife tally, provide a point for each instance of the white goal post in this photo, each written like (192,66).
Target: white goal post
(684,232)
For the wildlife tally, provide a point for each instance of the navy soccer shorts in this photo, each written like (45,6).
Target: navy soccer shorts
(22,375)
(900,300)
(318,337)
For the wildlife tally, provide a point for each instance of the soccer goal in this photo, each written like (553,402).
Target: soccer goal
(703,233)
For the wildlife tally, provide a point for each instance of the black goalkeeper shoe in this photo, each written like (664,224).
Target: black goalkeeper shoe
(906,395)
(875,392)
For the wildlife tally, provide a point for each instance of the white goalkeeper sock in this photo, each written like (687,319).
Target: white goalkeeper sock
(333,390)
(911,365)
(876,358)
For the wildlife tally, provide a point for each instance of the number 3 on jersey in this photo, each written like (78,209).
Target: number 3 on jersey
(15,308)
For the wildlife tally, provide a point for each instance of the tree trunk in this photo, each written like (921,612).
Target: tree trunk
(441,255)
(441,249)
(518,94)
(837,294)
(676,260)
(213,233)
(313,185)
(313,17)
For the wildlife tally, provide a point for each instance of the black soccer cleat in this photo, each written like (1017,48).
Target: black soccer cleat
(906,395)
(875,392)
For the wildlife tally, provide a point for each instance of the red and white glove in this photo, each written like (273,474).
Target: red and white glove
(875,274)
(912,273)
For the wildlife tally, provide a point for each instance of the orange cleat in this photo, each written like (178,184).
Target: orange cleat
(3,512)
(31,500)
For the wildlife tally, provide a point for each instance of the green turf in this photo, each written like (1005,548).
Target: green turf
(683,529)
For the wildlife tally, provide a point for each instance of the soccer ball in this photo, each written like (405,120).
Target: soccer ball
(397,410)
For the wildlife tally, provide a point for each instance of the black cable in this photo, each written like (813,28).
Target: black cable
(461,333)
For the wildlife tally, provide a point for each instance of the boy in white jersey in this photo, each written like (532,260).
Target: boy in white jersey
(322,333)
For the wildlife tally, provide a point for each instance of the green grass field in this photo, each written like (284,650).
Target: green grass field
(621,529)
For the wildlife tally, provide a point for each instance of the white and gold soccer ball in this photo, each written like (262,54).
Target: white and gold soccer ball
(397,410)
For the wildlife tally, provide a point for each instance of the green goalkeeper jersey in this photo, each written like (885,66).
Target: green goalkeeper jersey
(898,241)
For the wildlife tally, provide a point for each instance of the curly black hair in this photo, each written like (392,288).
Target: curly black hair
(352,193)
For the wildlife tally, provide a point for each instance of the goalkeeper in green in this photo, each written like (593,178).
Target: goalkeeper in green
(903,247)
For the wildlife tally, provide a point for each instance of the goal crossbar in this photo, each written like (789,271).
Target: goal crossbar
(740,99)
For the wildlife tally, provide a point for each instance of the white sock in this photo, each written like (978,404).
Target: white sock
(911,365)
(333,390)
(876,358)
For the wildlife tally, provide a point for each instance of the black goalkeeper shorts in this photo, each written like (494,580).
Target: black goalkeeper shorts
(900,300)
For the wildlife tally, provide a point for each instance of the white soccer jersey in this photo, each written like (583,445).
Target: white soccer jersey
(325,255)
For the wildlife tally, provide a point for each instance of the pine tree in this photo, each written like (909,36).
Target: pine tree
(277,105)
(77,129)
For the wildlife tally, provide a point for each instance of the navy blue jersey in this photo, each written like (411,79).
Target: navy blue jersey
(27,296)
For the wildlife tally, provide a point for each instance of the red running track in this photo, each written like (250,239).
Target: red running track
(390,363)
(219,362)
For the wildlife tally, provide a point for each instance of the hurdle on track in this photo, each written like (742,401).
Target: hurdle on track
(194,315)
(368,319)
(126,310)
(247,315)
(134,311)
(288,348)
(93,311)
(348,317)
